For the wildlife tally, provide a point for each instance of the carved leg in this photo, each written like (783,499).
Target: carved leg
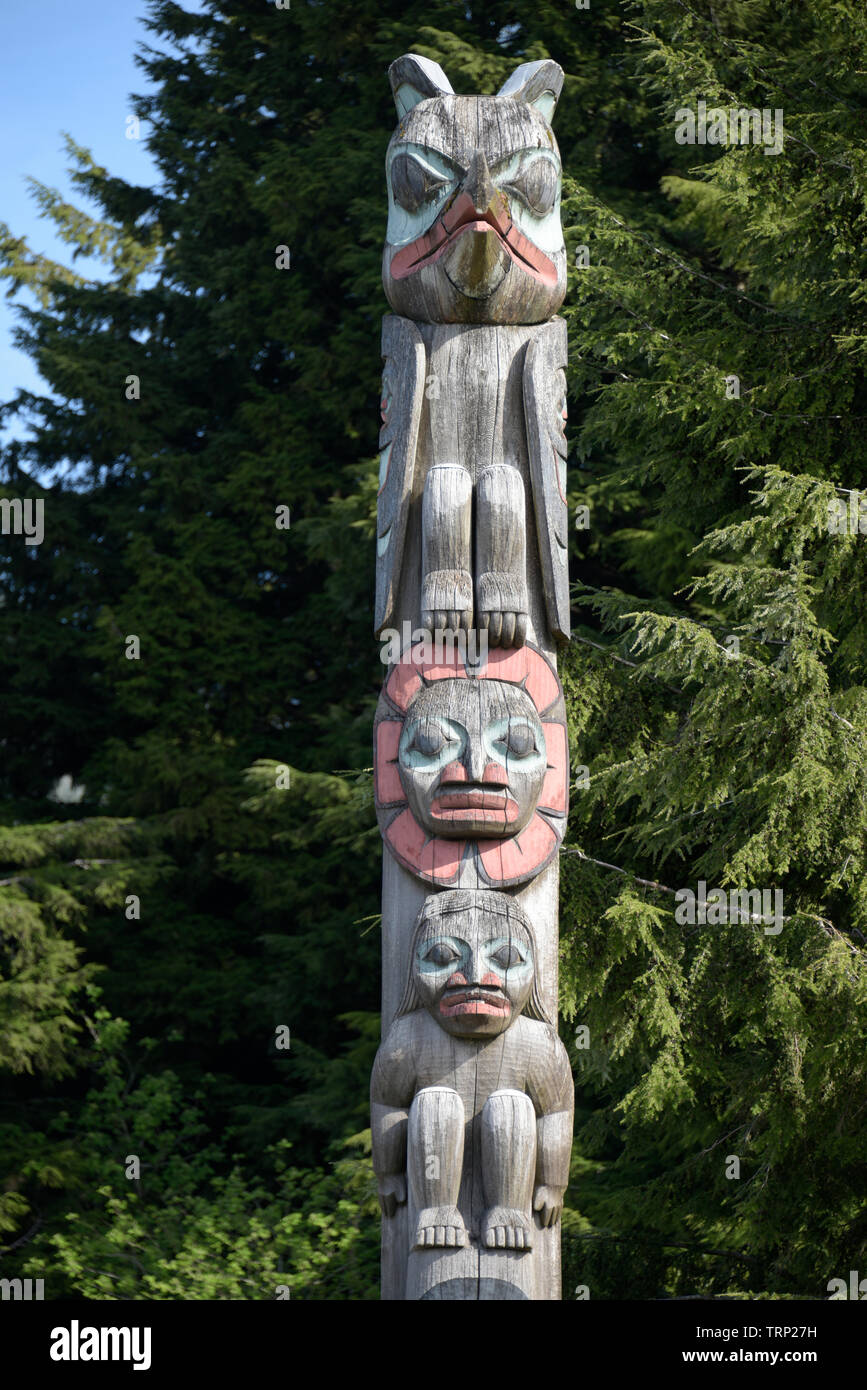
(508,1169)
(501,563)
(435,1155)
(446,520)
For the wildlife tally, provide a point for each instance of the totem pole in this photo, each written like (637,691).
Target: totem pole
(471,1095)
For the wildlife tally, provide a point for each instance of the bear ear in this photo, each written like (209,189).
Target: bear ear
(414,79)
(539,84)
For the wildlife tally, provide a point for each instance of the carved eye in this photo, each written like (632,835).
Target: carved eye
(508,955)
(536,185)
(440,953)
(412,184)
(429,740)
(520,740)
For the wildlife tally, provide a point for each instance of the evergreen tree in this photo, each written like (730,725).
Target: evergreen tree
(723,711)
(218,880)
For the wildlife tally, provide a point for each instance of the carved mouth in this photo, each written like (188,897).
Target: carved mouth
(477,999)
(433,243)
(479,803)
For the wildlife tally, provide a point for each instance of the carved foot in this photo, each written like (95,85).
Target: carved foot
(506,1228)
(504,629)
(502,608)
(440,1227)
(447,601)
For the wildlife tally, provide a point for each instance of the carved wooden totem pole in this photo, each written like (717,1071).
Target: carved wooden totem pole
(471,1096)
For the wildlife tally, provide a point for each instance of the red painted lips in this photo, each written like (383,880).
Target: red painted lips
(474,803)
(476,1000)
(463,216)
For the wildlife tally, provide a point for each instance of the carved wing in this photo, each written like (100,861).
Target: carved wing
(402,392)
(545,407)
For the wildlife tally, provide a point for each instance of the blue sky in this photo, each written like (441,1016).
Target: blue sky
(67,66)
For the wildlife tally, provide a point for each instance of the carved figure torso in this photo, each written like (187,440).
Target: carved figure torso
(527,1057)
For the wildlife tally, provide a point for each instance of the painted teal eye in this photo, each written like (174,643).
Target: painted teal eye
(508,955)
(429,740)
(441,954)
(520,741)
(412,184)
(535,185)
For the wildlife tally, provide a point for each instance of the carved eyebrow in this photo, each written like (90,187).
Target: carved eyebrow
(412,147)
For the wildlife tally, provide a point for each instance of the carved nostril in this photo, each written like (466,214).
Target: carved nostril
(496,774)
(455,772)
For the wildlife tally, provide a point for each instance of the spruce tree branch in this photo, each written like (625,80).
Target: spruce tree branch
(739,48)
(70,863)
(826,925)
(702,275)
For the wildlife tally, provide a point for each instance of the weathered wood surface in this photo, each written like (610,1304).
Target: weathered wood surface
(472,1097)
(475,428)
(471,1094)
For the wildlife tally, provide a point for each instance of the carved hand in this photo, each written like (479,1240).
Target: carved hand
(392,1192)
(548,1202)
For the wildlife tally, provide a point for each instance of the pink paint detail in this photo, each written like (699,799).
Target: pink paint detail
(491,979)
(521,856)
(475,999)
(457,979)
(443,670)
(440,859)
(436,859)
(553,794)
(403,683)
(388,787)
(523,665)
(500,1008)
(475,806)
(494,772)
(463,217)
(455,772)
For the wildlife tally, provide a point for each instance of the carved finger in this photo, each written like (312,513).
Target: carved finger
(483,620)
(508,629)
(427,619)
(440,1235)
(520,629)
(496,628)
(453,620)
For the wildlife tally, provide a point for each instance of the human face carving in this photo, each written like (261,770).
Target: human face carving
(472,759)
(474,971)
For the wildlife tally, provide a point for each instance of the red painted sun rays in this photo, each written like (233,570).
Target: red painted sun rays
(493,863)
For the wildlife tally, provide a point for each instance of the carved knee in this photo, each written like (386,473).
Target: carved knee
(447,585)
(501,559)
(434,1161)
(508,1169)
